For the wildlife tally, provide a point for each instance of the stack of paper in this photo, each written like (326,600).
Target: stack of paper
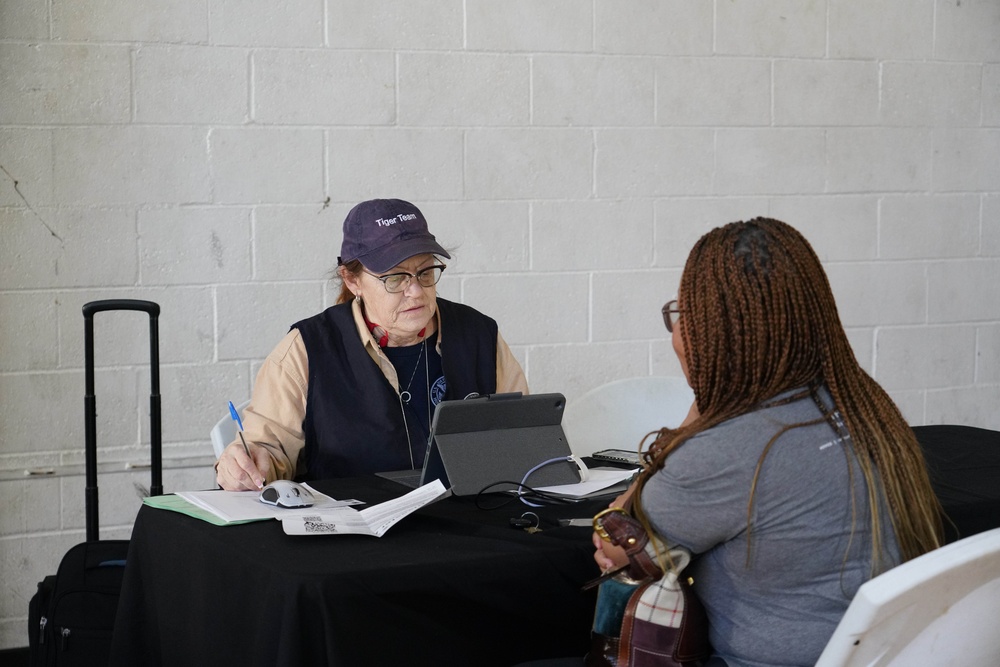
(374,521)
(224,508)
(600,481)
(326,516)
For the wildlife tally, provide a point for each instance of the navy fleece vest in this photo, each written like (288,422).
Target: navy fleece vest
(354,423)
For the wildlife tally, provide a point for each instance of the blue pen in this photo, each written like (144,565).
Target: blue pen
(236,415)
(239,422)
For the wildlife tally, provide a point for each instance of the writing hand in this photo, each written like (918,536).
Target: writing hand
(235,471)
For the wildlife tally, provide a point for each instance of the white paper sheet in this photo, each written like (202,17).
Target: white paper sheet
(246,505)
(598,479)
(374,520)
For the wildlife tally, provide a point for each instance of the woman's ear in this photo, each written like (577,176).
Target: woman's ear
(350,280)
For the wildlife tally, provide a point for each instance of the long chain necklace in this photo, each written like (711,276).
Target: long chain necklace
(405,395)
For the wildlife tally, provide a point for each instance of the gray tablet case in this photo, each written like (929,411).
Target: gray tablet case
(482,441)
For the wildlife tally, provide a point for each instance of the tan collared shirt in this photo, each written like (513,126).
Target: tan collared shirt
(278,406)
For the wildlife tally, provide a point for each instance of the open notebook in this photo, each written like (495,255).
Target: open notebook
(498,438)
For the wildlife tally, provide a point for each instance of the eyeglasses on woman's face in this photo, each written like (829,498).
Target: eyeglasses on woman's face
(398,282)
(671,314)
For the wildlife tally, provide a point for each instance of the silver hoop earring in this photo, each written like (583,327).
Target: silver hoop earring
(357,297)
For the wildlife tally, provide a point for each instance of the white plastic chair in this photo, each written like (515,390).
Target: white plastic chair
(224,431)
(938,609)
(617,415)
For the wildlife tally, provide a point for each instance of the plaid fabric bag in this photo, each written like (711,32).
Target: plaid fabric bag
(646,617)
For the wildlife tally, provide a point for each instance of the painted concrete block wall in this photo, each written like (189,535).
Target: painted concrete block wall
(203,155)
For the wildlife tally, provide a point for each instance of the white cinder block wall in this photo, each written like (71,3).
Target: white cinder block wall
(202,154)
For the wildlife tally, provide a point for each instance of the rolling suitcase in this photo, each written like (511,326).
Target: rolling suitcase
(72,615)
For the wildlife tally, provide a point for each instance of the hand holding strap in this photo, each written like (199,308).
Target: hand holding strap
(617,526)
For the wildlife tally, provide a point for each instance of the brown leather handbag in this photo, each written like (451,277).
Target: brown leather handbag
(645,617)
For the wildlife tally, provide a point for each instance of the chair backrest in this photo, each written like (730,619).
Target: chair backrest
(617,415)
(224,431)
(938,609)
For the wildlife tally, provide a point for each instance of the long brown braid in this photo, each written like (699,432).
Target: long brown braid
(758,318)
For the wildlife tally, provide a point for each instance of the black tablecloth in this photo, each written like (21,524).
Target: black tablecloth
(964,465)
(448,585)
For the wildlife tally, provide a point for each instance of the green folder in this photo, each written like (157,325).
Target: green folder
(175,503)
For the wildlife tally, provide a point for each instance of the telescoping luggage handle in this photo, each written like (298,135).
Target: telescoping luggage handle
(90,402)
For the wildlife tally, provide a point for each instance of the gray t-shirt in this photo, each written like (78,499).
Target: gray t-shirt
(807,558)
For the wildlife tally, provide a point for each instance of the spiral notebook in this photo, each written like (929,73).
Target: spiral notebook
(478,442)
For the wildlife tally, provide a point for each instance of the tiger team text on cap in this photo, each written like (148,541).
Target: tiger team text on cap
(382,233)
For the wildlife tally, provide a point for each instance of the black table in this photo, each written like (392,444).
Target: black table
(450,584)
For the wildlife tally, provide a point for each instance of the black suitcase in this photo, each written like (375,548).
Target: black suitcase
(72,615)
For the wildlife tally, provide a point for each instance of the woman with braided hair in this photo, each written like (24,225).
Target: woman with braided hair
(795,478)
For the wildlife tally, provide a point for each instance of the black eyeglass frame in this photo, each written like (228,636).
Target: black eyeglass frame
(671,314)
(420,275)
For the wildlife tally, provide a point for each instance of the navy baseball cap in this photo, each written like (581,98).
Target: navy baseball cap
(381,233)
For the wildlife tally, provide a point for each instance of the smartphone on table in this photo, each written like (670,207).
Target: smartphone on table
(630,457)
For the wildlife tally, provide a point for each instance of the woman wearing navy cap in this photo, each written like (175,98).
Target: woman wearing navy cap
(351,391)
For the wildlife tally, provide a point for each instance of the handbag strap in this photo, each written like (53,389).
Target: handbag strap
(628,623)
(617,526)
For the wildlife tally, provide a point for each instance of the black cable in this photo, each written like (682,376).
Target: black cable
(525,491)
